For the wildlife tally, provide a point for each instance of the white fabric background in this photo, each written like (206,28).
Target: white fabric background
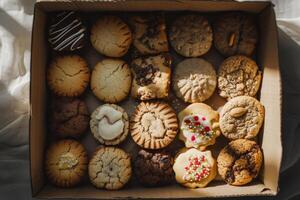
(15,35)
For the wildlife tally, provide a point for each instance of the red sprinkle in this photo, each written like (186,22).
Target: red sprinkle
(193,138)
(196,118)
(203,118)
(197,123)
(186,168)
(206,128)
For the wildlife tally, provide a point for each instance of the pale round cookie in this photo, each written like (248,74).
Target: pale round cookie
(241,117)
(194,80)
(68,75)
(110,168)
(194,168)
(191,35)
(238,76)
(239,162)
(199,125)
(66,163)
(109,124)
(111,80)
(153,125)
(110,36)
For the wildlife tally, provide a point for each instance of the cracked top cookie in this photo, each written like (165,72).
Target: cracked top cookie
(68,75)
(111,80)
(235,33)
(110,168)
(149,34)
(66,163)
(109,124)
(151,77)
(153,125)
(238,76)
(69,117)
(194,80)
(239,162)
(191,35)
(110,36)
(241,117)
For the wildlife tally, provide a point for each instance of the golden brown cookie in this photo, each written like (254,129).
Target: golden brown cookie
(151,77)
(153,125)
(66,163)
(199,125)
(194,168)
(109,124)
(241,117)
(239,162)
(110,36)
(111,80)
(68,75)
(238,76)
(110,168)
(194,80)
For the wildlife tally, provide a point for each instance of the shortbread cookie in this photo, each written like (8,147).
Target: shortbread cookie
(68,75)
(238,76)
(191,35)
(194,80)
(154,169)
(235,33)
(241,117)
(110,36)
(151,77)
(199,125)
(109,124)
(194,168)
(149,33)
(66,163)
(239,162)
(66,31)
(110,168)
(111,80)
(153,125)
(69,117)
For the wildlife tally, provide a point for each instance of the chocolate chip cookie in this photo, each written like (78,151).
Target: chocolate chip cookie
(239,162)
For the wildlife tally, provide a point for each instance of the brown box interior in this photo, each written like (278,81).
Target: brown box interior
(270,96)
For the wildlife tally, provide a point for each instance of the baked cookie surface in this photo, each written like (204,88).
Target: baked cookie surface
(241,117)
(151,77)
(191,35)
(66,163)
(199,125)
(194,80)
(111,36)
(111,80)
(239,162)
(68,75)
(238,76)
(109,124)
(110,168)
(153,125)
(235,33)
(194,168)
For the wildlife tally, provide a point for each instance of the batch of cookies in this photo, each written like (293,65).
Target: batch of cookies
(149,77)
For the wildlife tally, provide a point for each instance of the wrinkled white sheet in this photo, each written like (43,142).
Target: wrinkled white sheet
(15,35)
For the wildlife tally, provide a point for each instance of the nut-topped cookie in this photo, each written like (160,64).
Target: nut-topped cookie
(149,34)
(191,35)
(235,33)
(238,76)
(199,125)
(241,117)
(109,124)
(239,162)
(151,77)
(153,125)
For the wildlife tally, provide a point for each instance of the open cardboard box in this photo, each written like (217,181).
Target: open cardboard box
(270,96)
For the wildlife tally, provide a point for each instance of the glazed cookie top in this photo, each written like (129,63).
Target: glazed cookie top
(191,35)
(241,117)
(238,76)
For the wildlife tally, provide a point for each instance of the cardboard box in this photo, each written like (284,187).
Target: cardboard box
(270,96)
